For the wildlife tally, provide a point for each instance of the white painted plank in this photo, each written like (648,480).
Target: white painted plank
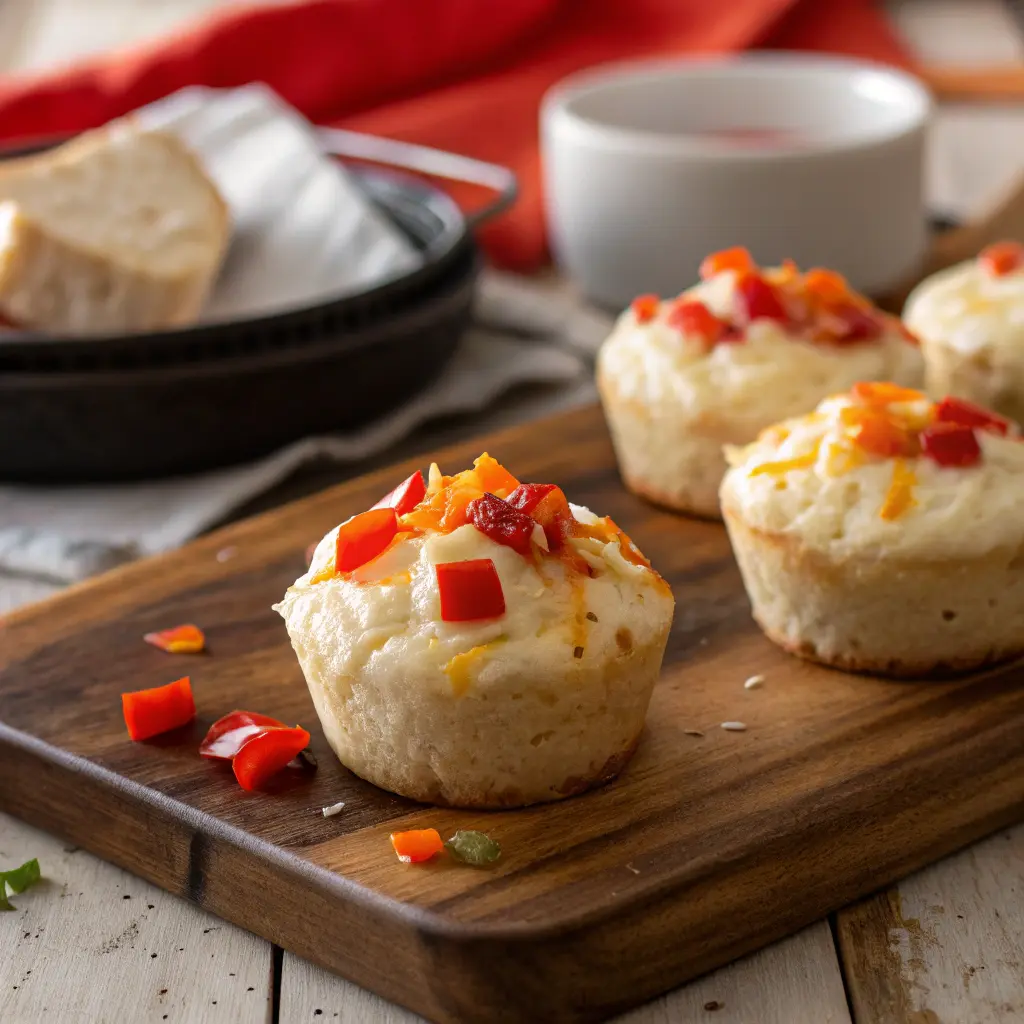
(796,981)
(15,592)
(946,944)
(93,943)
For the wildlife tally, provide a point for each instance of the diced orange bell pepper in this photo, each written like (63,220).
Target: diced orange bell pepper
(492,476)
(873,431)
(179,640)
(1002,258)
(825,287)
(417,845)
(737,258)
(456,507)
(645,308)
(364,537)
(149,713)
(428,514)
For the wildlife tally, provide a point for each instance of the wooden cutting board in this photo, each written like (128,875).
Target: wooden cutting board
(708,846)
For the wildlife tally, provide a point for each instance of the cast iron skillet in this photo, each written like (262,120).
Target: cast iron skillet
(174,402)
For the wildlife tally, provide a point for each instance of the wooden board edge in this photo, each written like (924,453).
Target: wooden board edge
(451,974)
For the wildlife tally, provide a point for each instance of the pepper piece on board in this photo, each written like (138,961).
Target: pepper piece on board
(149,713)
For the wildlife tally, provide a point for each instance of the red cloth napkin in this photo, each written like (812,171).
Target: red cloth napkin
(463,75)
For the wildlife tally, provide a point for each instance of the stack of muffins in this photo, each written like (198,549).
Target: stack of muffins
(875,528)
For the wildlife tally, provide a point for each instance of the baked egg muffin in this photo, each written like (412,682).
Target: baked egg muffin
(882,533)
(478,642)
(970,321)
(744,348)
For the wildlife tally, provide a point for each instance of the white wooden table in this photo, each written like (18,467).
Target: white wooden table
(946,946)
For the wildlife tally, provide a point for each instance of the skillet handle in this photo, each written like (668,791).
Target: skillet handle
(433,162)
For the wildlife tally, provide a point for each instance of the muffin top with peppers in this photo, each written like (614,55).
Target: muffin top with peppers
(884,467)
(759,341)
(975,307)
(443,569)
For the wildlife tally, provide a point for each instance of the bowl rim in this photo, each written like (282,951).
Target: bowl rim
(558,113)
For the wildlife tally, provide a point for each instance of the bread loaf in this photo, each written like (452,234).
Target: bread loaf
(119,230)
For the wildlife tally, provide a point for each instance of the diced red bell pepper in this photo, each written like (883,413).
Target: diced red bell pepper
(758,300)
(488,474)
(526,497)
(1002,258)
(501,522)
(266,753)
(179,640)
(967,414)
(951,444)
(645,308)
(364,537)
(229,734)
(406,496)
(456,504)
(826,287)
(692,317)
(469,590)
(417,845)
(737,258)
(149,713)
(856,323)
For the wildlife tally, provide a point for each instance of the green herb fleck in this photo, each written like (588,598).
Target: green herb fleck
(18,880)
(473,848)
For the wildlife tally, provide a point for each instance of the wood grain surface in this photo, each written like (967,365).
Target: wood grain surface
(705,848)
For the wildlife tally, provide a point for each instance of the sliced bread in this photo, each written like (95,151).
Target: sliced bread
(118,230)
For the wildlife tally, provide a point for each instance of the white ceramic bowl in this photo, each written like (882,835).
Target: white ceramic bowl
(650,166)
